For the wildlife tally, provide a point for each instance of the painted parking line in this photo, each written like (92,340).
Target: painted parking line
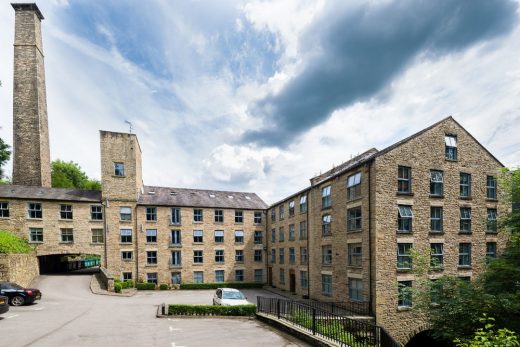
(12,316)
(174,345)
(38,308)
(174,329)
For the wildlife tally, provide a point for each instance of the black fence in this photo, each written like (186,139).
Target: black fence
(340,329)
(341,308)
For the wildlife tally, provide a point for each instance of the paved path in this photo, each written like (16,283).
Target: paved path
(70,315)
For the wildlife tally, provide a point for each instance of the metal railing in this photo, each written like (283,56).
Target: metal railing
(341,308)
(342,330)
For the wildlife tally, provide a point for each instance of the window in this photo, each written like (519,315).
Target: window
(404,257)
(198,257)
(258,238)
(66,211)
(326,255)
(491,250)
(219,236)
(151,277)
(464,254)
(355,289)
(239,256)
(219,256)
(303,230)
(273,256)
(304,280)
(281,234)
(239,236)
(281,255)
(354,186)
(354,254)
(219,216)
(151,214)
(126,276)
(176,278)
(151,257)
(219,276)
(436,291)
(176,258)
(97,236)
(325,225)
(491,187)
(291,208)
(127,255)
(465,220)
(303,256)
(404,293)
(292,256)
(197,215)
(354,219)
(404,179)
(436,219)
(119,169)
(292,232)
(176,215)
(151,235)
(198,277)
(404,219)
(175,237)
(96,212)
(198,236)
(239,216)
(4,210)
(281,212)
(282,276)
(239,275)
(273,235)
(257,219)
(491,220)
(436,183)
(125,213)
(258,255)
(35,210)
(35,235)
(67,235)
(451,147)
(259,275)
(273,215)
(126,235)
(465,185)
(436,256)
(326,284)
(303,203)
(325,197)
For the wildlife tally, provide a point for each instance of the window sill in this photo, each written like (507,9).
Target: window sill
(197,243)
(34,219)
(437,269)
(198,264)
(491,200)
(354,266)
(404,193)
(404,232)
(5,217)
(326,294)
(239,223)
(326,208)
(125,221)
(151,221)
(150,265)
(403,308)
(452,160)
(97,243)
(464,267)
(303,212)
(354,231)
(96,220)
(326,265)
(239,261)
(127,260)
(404,270)
(467,198)
(126,243)
(435,196)
(302,238)
(66,242)
(432,232)
(326,235)
(357,198)
(151,243)
(35,242)
(239,243)
(198,222)
(175,245)
(465,232)
(218,222)
(119,176)
(293,239)
(175,224)
(491,232)
(66,220)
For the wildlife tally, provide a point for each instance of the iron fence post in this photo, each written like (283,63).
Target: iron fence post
(313,321)
(278,308)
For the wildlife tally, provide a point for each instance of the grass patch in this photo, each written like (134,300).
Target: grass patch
(10,243)
(211,310)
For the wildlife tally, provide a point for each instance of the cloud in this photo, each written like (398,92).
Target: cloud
(352,52)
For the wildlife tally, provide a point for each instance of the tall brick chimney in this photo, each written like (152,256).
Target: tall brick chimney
(31,154)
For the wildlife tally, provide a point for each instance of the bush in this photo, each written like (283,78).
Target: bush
(10,243)
(145,286)
(164,286)
(117,287)
(128,284)
(237,285)
(211,310)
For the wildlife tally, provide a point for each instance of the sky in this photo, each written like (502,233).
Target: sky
(260,96)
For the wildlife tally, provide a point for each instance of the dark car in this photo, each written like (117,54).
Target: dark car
(19,295)
(4,306)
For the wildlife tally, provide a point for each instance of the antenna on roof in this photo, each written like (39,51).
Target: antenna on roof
(130,125)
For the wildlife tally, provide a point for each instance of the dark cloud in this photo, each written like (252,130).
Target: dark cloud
(353,52)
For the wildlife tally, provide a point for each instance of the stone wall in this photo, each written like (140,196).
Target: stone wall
(19,268)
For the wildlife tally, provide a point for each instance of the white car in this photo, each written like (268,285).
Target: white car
(229,297)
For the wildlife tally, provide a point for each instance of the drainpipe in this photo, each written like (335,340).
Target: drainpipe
(370,311)
(308,248)
(137,245)
(105,227)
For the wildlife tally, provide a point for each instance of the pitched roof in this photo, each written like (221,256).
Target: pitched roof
(46,193)
(166,196)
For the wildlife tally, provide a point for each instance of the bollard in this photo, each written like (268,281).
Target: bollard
(163,308)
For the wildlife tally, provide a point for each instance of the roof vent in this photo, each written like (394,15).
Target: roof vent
(230,196)
(151,192)
(212,195)
(173,193)
(248,197)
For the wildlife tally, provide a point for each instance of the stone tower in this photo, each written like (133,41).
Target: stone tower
(31,154)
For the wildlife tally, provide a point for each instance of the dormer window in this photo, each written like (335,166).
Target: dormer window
(119,169)
(451,147)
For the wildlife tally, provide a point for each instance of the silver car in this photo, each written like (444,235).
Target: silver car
(229,297)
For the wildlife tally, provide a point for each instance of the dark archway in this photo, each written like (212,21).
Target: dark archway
(425,339)
(60,263)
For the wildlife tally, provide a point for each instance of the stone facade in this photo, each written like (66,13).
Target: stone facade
(19,268)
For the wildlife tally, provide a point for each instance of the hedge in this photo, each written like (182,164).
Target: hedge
(164,286)
(211,310)
(10,243)
(117,287)
(125,284)
(145,286)
(237,285)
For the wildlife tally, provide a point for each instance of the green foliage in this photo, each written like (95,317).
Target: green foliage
(164,286)
(117,287)
(237,285)
(145,286)
(211,310)
(70,175)
(10,243)
(5,154)
(488,337)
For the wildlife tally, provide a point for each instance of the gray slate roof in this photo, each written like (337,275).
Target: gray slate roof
(165,196)
(44,193)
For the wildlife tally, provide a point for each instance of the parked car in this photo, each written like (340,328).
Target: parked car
(4,305)
(19,295)
(229,297)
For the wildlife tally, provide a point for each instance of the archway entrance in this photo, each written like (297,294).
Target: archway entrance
(59,263)
(425,339)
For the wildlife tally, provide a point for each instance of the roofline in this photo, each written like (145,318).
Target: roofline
(202,206)
(122,133)
(307,189)
(48,199)
(203,190)
(28,6)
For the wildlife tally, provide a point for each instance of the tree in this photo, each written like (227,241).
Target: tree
(5,154)
(70,175)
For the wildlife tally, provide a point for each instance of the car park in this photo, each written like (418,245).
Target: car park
(18,295)
(4,304)
(229,297)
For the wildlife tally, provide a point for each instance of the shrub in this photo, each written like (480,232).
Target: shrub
(237,285)
(128,284)
(211,310)
(164,286)
(117,287)
(10,243)
(145,286)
